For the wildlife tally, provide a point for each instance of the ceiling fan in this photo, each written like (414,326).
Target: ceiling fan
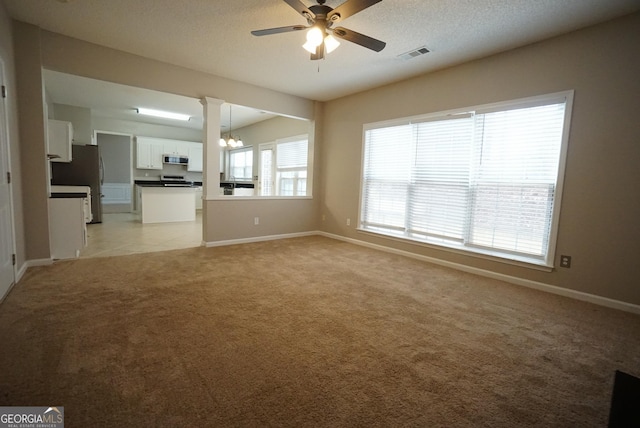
(320,19)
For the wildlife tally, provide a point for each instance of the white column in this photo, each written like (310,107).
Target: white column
(211,147)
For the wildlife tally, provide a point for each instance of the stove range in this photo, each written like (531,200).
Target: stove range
(175,181)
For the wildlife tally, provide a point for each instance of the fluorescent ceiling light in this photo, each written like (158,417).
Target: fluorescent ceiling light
(163,114)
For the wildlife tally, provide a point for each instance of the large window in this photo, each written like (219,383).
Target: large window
(483,179)
(241,164)
(283,167)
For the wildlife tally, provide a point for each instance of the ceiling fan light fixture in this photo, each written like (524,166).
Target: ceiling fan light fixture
(315,36)
(311,48)
(320,19)
(331,43)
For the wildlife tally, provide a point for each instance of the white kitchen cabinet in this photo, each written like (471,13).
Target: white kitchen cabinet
(149,154)
(167,204)
(151,149)
(59,140)
(198,198)
(175,147)
(67,228)
(195,157)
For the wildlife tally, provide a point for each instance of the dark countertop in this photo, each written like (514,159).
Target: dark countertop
(67,195)
(225,184)
(237,184)
(160,183)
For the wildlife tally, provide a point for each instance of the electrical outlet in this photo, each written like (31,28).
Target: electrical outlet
(256,220)
(565,261)
(348,222)
(324,217)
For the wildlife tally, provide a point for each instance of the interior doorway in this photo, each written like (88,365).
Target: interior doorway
(116,163)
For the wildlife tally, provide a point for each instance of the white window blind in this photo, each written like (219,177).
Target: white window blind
(514,179)
(266,171)
(483,182)
(283,167)
(386,177)
(440,178)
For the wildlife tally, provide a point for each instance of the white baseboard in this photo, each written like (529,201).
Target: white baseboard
(578,295)
(259,239)
(20,273)
(31,263)
(23,269)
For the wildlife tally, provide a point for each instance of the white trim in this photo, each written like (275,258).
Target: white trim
(21,272)
(477,109)
(476,252)
(578,295)
(548,260)
(38,262)
(7,133)
(259,239)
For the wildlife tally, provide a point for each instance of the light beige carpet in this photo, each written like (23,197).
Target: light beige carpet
(304,332)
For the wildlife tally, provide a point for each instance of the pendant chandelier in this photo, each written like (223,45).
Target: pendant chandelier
(229,140)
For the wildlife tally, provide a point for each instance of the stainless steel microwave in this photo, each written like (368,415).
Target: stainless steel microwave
(175,159)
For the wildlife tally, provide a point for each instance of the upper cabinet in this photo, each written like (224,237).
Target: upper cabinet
(195,157)
(174,147)
(59,140)
(149,152)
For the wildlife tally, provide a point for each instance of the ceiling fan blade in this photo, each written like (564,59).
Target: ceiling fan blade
(300,8)
(348,8)
(359,39)
(278,30)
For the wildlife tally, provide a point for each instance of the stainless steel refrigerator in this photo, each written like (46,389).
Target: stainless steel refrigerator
(85,169)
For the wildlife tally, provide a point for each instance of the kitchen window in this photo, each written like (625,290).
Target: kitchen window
(283,167)
(485,180)
(241,164)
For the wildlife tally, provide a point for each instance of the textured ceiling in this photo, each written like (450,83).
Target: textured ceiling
(214,36)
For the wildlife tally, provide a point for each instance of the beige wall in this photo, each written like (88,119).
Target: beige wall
(600,207)
(80,117)
(11,103)
(233,218)
(33,156)
(73,56)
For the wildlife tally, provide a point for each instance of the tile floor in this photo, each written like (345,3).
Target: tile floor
(122,234)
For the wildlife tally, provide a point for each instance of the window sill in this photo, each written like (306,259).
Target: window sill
(477,253)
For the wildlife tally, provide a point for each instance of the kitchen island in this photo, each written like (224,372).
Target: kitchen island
(164,204)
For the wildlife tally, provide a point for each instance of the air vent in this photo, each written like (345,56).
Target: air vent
(414,53)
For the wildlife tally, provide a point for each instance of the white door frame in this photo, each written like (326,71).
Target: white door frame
(5,147)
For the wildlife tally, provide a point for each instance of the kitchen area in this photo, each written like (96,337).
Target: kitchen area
(155,203)
(123,182)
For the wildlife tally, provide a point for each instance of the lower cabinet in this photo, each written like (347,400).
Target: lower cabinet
(67,227)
